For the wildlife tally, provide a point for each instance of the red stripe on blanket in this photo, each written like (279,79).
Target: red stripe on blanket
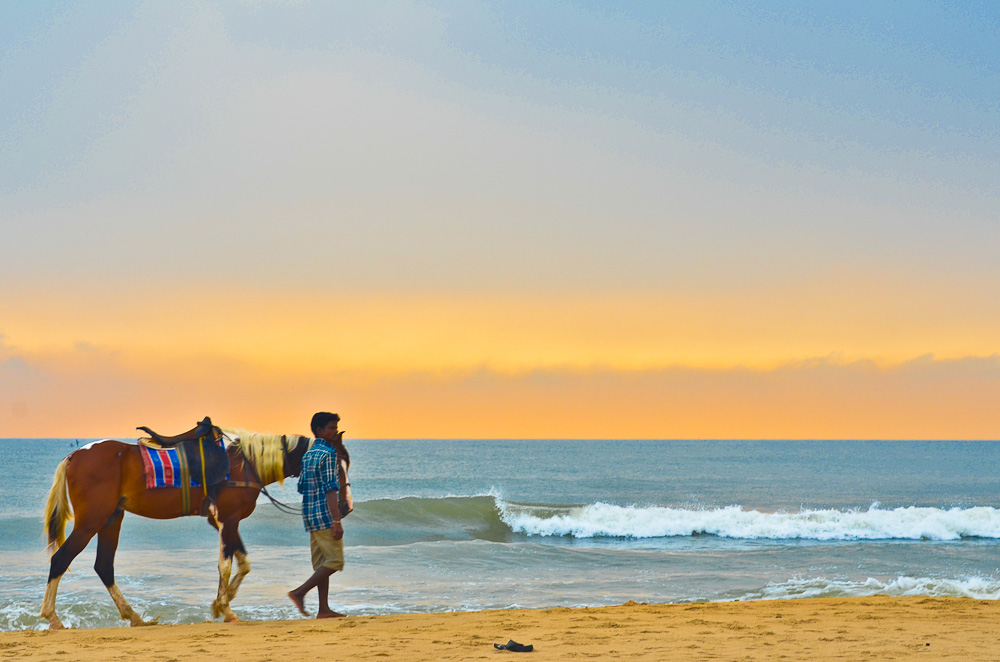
(147,466)
(168,468)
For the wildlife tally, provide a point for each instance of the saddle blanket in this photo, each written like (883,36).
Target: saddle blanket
(163,467)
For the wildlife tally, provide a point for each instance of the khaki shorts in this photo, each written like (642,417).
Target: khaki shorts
(326,552)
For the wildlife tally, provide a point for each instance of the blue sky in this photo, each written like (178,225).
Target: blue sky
(736,185)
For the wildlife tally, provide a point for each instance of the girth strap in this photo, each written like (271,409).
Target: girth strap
(204,481)
(185,483)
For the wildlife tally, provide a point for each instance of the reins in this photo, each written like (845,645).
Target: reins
(281,506)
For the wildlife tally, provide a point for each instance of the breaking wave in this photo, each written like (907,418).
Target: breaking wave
(490,517)
(600,520)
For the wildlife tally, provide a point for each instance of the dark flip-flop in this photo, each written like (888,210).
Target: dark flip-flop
(514,647)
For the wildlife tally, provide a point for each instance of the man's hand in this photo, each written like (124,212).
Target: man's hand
(333,503)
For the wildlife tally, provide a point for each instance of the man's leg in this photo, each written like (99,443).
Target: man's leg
(327,558)
(323,590)
(323,593)
(298,595)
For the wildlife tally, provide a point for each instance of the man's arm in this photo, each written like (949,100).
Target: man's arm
(333,502)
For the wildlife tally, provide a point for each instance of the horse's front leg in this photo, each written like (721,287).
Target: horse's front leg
(232,542)
(242,570)
(228,541)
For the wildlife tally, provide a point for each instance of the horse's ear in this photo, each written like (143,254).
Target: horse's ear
(206,421)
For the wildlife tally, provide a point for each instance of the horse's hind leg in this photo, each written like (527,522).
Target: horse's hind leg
(69,550)
(107,545)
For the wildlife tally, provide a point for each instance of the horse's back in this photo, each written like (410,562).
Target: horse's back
(98,460)
(97,475)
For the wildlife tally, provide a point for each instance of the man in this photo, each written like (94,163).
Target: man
(321,513)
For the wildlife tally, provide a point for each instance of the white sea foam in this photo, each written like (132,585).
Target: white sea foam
(979,588)
(606,520)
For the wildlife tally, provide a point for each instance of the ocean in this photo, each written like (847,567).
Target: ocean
(454,525)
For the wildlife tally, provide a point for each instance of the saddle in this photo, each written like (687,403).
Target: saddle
(205,457)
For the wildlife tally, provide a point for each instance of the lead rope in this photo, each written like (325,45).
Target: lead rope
(283,507)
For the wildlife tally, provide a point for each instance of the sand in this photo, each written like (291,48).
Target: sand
(875,628)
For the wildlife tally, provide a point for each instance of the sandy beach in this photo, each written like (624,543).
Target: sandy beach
(875,628)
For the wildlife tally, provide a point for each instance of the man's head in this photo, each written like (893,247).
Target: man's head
(320,420)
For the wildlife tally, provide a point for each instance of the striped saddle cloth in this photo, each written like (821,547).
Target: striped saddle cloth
(165,466)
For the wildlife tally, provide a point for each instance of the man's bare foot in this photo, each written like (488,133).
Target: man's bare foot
(330,614)
(297,601)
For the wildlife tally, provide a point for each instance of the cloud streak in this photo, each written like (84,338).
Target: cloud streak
(925,398)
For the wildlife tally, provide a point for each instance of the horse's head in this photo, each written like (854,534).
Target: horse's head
(295,447)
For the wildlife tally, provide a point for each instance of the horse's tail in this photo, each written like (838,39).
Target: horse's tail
(57,509)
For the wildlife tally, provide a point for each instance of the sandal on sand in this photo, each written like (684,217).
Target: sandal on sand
(514,647)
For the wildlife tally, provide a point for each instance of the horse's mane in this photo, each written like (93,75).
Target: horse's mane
(264,451)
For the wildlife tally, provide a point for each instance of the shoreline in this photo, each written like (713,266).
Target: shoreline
(878,627)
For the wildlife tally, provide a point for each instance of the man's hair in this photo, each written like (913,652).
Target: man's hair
(321,419)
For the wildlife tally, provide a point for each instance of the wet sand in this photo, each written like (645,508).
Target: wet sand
(875,628)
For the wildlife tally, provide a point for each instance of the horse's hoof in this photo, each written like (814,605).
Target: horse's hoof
(231,618)
(56,624)
(137,622)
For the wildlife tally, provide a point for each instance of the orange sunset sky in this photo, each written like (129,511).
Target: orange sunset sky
(496,220)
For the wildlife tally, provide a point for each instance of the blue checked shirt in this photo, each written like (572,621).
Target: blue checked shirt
(319,476)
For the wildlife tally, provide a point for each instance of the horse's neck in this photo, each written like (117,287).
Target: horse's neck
(244,470)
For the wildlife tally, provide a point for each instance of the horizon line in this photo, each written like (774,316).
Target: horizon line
(720,439)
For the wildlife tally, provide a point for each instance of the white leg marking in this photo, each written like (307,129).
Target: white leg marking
(49,605)
(125,609)
(221,605)
(242,570)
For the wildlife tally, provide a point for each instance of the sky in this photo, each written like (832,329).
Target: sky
(571,219)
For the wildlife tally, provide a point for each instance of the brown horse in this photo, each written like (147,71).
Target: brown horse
(106,479)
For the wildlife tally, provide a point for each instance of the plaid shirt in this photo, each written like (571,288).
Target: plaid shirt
(319,476)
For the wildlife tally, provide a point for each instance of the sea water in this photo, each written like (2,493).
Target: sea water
(445,525)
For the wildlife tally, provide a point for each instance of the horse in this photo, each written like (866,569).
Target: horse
(97,484)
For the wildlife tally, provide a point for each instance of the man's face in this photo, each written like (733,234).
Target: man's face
(329,431)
